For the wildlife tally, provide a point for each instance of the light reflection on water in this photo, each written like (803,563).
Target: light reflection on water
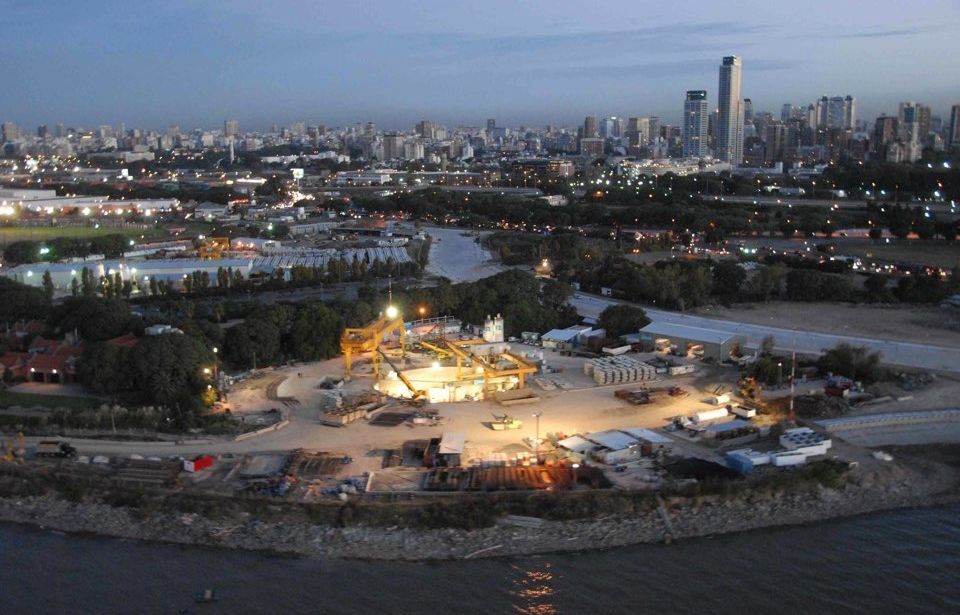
(533,588)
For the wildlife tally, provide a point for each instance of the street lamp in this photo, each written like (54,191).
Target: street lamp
(537,416)
(422,311)
(780,374)
(392,312)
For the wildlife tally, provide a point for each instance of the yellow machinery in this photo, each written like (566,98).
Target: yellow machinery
(460,349)
(13,450)
(212,248)
(367,339)
(414,391)
(749,388)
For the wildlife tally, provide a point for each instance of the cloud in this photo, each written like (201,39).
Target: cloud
(868,34)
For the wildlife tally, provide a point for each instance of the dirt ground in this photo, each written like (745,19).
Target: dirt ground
(909,323)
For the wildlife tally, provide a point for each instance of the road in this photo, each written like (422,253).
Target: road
(906,354)
(459,258)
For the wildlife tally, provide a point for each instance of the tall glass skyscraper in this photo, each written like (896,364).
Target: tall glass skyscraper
(730,112)
(695,116)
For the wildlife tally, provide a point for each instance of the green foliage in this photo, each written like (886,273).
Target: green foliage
(21,301)
(95,319)
(251,343)
(810,285)
(854,362)
(621,319)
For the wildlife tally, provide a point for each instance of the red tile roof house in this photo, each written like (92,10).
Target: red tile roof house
(16,362)
(53,361)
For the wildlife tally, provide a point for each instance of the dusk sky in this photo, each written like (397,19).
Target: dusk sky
(195,63)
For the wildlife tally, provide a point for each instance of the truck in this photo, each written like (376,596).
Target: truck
(720,399)
(55,448)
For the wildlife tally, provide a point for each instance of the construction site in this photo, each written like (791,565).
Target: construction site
(435,405)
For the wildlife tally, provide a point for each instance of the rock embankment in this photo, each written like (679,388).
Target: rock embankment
(895,487)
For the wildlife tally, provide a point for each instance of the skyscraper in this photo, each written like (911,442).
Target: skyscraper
(747,110)
(590,127)
(953,139)
(491,124)
(653,131)
(730,112)
(231,128)
(694,127)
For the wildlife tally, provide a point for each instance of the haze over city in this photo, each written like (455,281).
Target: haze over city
(195,63)
(531,307)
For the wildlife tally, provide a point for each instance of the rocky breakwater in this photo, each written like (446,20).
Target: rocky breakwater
(882,487)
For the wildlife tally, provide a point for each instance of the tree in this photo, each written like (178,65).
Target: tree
(622,319)
(94,319)
(555,294)
(767,281)
(87,286)
(74,287)
(169,370)
(21,301)
(154,288)
(22,252)
(728,277)
(875,233)
(315,333)
(48,285)
(854,362)
(103,368)
(875,284)
(251,343)
(766,345)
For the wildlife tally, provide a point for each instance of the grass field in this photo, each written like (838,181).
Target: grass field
(8,398)
(931,252)
(10,234)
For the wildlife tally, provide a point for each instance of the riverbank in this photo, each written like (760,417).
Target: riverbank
(918,482)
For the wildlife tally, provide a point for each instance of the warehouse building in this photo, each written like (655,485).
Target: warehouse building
(686,339)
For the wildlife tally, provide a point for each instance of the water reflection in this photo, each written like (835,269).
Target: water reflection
(533,591)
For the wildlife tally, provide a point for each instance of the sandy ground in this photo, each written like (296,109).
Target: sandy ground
(459,258)
(918,324)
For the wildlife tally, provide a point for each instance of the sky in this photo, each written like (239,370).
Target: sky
(195,63)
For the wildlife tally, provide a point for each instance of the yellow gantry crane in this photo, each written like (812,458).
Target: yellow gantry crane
(358,340)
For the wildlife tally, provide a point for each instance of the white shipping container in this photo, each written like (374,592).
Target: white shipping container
(710,415)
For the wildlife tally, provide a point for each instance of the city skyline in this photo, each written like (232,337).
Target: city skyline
(92,65)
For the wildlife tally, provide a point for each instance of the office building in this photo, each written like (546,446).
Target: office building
(11,132)
(953,139)
(730,112)
(694,128)
(590,127)
(231,128)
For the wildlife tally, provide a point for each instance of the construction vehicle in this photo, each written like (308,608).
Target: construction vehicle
(12,450)
(636,397)
(503,422)
(749,388)
(55,448)
(212,248)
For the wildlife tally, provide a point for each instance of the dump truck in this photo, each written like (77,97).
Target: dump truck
(55,448)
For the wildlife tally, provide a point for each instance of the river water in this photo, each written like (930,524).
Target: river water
(904,561)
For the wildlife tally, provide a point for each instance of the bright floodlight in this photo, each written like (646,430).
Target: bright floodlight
(392,312)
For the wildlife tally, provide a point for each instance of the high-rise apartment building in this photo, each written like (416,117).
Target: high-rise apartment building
(694,128)
(231,128)
(730,112)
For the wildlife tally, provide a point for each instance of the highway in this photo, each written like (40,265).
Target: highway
(905,354)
